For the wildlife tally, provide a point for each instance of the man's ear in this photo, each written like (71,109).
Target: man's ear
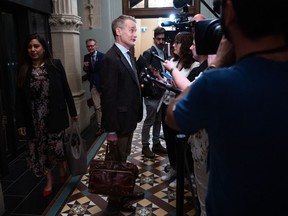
(118,31)
(229,12)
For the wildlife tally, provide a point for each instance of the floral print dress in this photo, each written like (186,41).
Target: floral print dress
(46,149)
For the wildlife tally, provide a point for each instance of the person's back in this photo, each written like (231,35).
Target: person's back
(243,107)
(247,137)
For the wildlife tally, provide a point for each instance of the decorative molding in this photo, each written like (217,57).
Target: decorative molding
(91,14)
(68,23)
(90,7)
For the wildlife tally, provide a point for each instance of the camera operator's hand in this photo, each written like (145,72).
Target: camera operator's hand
(225,55)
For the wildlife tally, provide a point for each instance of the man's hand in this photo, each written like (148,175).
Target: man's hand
(112,138)
(225,55)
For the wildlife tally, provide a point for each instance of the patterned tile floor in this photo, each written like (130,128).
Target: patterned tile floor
(159,198)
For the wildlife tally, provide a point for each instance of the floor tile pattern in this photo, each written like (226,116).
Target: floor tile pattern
(159,198)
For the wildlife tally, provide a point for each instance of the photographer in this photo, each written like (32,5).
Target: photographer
(244,109)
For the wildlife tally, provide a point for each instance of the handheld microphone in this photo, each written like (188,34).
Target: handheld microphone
(157,56)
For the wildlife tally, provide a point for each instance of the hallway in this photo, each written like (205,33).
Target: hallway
(23,197)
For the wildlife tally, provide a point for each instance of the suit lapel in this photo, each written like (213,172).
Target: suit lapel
(127,65)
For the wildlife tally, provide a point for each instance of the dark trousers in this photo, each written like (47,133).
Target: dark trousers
(171,143)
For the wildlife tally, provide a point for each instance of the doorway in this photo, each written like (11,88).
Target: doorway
(8,64)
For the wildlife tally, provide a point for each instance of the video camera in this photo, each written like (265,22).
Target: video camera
(182,23)
(208,32)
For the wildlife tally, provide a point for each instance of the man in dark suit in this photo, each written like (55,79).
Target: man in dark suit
(121,98)
(92,66)
(153,96)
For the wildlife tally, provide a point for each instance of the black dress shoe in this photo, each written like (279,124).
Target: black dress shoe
(135,195)
(147,152)
(158,148)
(121,205)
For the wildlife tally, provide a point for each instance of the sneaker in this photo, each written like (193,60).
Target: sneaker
(169,175)
(173,184)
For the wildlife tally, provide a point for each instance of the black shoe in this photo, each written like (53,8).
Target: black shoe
(121,205)
(158,148)
(135,195)
(147,152)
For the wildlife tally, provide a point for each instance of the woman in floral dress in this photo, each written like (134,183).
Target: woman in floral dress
(42,97)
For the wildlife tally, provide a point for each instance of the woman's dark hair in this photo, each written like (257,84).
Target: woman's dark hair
(25,61)
(186,40)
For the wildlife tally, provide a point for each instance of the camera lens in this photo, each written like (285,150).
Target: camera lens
(208,34)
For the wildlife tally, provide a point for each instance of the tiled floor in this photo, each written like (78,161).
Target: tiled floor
(159,198)
(73,198)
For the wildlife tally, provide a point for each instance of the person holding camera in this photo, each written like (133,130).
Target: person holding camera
(153,96)
(242,103)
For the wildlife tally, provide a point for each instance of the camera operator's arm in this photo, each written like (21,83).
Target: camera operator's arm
(225,55)
(180,81)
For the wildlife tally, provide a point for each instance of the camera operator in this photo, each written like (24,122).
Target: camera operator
(153,95)
(244,109)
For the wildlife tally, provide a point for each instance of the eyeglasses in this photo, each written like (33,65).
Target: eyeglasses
(90,45)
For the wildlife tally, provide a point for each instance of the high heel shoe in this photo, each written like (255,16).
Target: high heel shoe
(46,193)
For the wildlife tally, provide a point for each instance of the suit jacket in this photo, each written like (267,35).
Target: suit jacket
(121,99)
(94,72)
(59,97)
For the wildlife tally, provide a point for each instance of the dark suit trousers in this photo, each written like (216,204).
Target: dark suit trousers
(124,145)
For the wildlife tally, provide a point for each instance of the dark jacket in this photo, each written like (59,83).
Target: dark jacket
(59,97)
(121,99)
(94,72)
(150,89)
